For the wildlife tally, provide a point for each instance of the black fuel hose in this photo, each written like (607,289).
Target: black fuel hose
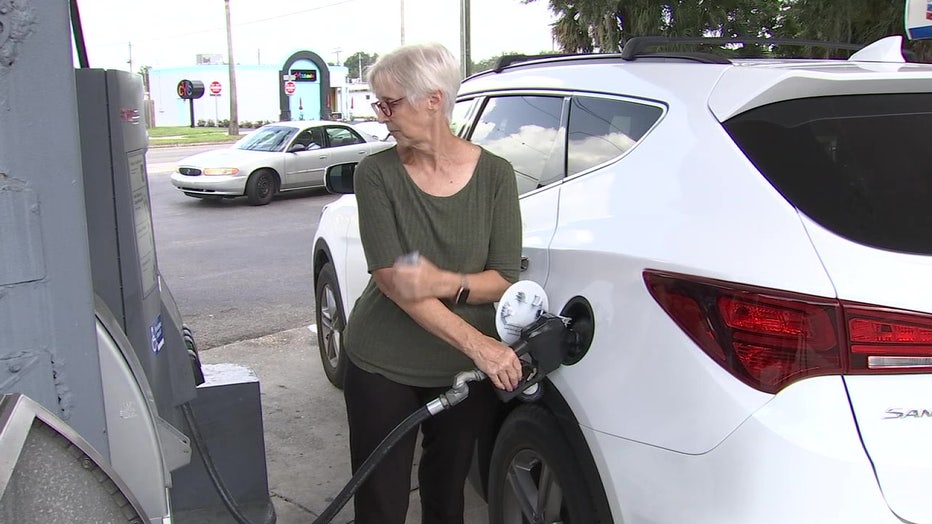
(214,475)
(413,421)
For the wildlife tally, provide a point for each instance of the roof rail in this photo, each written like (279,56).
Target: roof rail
(506,60)
(635,46)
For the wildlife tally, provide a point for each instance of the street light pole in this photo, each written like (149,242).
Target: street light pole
(402,22)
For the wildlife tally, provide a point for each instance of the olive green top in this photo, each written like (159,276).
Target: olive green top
(476,229)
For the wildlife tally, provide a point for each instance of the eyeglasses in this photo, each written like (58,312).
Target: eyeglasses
(386,107)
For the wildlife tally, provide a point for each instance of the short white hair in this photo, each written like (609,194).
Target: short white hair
(419,70)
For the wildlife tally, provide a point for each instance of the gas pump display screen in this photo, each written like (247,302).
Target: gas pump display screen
(145,240)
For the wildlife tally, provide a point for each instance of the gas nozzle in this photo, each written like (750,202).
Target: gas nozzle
(542,348)
(542,341)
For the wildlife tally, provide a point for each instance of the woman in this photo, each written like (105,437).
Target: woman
(440,225)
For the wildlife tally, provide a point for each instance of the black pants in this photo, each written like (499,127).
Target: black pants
(374,406)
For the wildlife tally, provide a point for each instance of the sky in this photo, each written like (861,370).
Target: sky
(128,34)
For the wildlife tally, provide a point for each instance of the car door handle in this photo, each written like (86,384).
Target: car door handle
(360,152)
(323,157)
(524,263)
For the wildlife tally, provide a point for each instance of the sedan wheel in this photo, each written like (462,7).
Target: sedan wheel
(534,477)
(330,323)
(260,188)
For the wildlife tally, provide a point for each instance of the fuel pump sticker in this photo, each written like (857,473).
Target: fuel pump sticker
(156,337)
(142,216)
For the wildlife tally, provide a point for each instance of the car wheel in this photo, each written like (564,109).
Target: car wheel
(534,476)
(260,188)
(330,323)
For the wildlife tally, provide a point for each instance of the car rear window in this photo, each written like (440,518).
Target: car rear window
(859,165)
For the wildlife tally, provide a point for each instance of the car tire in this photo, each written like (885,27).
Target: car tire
(534,476)
(261,187)
(331,320)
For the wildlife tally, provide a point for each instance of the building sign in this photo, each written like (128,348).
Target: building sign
(304,75)
(190,89)
(919,19)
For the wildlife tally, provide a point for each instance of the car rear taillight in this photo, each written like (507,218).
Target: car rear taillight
(882,339)
(769,338)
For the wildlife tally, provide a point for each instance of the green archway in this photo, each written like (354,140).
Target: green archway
(323,80)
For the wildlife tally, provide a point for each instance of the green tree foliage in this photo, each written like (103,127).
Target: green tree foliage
(357,59)
(604,25)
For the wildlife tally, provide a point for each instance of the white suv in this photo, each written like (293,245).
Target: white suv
(754,238)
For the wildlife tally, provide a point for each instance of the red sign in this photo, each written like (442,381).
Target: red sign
(289,87)
(215,88)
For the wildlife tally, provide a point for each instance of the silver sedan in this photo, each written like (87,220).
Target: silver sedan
(277,157)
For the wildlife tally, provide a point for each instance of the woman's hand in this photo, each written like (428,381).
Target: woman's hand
(415,278)
(499,362)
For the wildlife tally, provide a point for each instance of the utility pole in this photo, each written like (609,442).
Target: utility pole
(130,61)
(234,116)
(465,38)
(402,22)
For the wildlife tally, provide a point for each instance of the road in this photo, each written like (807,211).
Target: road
(236,271)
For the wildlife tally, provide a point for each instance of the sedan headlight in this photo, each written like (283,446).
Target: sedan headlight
(221,171)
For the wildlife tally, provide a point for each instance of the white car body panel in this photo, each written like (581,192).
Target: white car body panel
(804,440)
(905,283)
(893,443)
(757,85)
(894,415)
(234,185)
(338,220)
(628,217)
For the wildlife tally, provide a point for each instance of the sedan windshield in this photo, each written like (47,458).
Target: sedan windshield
(268,138)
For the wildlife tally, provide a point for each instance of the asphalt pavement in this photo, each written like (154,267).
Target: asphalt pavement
(304,422)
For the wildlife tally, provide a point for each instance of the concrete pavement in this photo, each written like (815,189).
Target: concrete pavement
(304,422)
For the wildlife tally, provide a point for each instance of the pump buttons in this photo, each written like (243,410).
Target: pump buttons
(582,324)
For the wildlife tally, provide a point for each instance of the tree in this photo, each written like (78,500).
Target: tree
(144,73)
(854,21)
(358,63)
(604,25)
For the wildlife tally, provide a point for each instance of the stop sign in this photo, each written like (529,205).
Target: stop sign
(289,87)
(215,88)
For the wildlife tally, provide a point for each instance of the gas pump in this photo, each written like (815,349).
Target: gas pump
(97,413)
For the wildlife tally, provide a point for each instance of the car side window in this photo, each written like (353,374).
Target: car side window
(601,129)
(312,138)
(527,131)
(462,114)
(341,136)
